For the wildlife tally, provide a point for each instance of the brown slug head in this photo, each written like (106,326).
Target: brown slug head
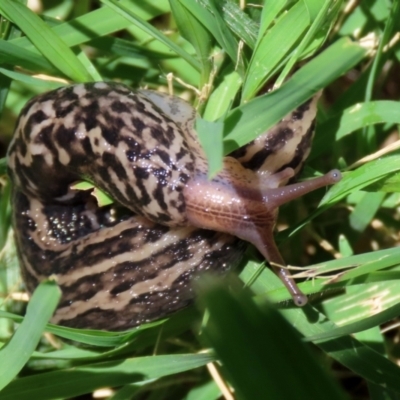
(245,204)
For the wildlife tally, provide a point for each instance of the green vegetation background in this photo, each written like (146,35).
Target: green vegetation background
(345,343)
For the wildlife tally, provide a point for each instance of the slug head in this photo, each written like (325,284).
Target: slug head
(245,204)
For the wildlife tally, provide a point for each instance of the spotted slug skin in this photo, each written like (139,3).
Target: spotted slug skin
(134,262)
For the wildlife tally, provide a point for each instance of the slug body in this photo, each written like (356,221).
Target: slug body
(134,262)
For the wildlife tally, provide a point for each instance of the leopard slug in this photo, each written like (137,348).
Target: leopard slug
(134,262)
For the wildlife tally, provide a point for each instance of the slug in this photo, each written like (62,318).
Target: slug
(134,262)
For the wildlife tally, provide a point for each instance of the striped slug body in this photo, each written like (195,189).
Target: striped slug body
(134,262)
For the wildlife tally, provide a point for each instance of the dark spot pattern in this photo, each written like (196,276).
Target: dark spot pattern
(302,149)
(272,146)
(298,114)
(115,251)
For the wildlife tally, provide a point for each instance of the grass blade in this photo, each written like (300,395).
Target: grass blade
(149,29)
(244,338)
(18,350)
(50,45)
(81,380)
(247,122)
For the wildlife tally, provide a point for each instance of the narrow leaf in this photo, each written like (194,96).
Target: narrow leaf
(247,122)
(74,382)
(18,350)
(50,45)
(149,29)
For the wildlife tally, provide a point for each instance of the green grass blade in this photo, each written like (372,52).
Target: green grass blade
(29,80)
(353,270)
(195,33)
(208,14)
(359,358)
(221,99)
(364,324)
(273,47)
(210,137)
(245,338)
(248,121)
(268,16)
(208,391)
(81,380)
(351,119)
(18,350)
(3,166)
(149,29)
(50,45)
(15,55)
(365,210)
(364,176)
(102,22)
(315,30)
(239,23)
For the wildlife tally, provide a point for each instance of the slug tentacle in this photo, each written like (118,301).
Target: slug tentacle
(135,261)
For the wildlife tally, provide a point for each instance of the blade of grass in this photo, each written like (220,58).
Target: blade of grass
(210,137)
(101,22)
(273,47)
(240,23)
(244,338)
(29,80)
(208,14)
(247,122)
(17,351)
(351,119)
(312,32)
(195,33)
(14,55)
(350,352)
(221,98)
(80,380)
(49,44)
(149,29)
